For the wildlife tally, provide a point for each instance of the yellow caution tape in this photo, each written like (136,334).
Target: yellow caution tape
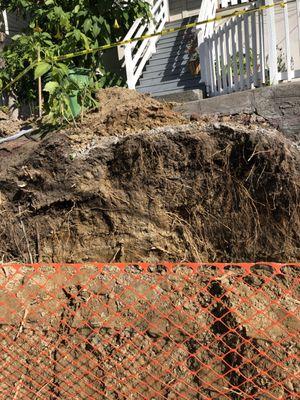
(164,32)
(21,74)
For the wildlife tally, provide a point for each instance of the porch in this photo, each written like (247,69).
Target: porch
(237,53)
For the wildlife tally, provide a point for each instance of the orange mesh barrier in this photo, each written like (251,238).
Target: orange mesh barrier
(144,331)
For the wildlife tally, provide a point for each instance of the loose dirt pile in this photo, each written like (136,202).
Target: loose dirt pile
(122,112)
(119,188)
(7,126)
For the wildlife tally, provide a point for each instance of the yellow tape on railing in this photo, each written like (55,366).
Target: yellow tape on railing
(164,32)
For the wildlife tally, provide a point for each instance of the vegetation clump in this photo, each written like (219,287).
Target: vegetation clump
(58,27)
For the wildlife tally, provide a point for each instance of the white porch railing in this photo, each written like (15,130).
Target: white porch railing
(138,53)
(252,50)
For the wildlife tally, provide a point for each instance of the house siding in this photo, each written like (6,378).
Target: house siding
(188,7)
(15,25)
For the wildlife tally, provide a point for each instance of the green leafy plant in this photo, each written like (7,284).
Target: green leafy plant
(57,27)
(58,88)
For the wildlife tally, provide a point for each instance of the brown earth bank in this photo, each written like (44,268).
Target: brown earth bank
(136,181)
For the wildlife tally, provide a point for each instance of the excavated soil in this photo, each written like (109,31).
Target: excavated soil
(122,112)
(137,182)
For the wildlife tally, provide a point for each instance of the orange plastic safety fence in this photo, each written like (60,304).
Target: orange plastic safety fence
(144,331)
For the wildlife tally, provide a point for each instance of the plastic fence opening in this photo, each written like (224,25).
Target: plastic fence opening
(143,331)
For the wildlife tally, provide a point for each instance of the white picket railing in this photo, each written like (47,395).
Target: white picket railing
(230,51)
(244,52)
(139,52)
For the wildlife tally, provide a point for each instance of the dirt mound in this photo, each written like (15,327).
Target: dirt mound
(7,126)
(199,191)
(123,111)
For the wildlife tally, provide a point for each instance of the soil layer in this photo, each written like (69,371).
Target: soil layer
(135,181)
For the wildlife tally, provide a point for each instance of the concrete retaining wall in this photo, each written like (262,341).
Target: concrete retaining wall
(280,105)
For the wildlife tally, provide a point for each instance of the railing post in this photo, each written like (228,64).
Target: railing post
(202,61)
(129,67)
(152,40)
(298,20)
(151,23)
(287,42)
(5,19)
(167,9)
(262,55)
(272,42)
(205,42)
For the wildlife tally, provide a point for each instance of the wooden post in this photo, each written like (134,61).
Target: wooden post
(212,70)
(298,20)
(234,55)
(167,10)
(5,19)
(247,51)
(129,67)
(262,55)
(272,42)
(254,48)
(216,38)
(203,60)
(152,41)
(40,98)
(222,62)
(287,42)
(240,44)
(228,65)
